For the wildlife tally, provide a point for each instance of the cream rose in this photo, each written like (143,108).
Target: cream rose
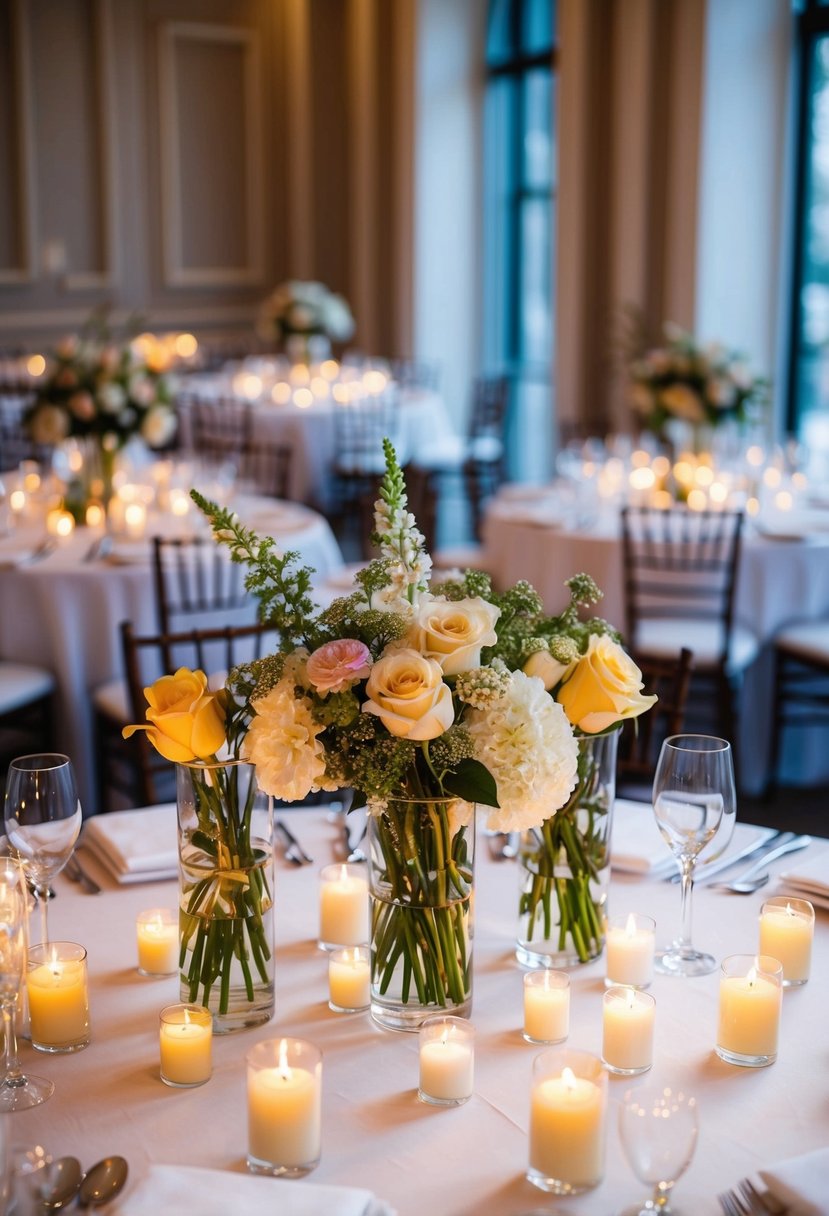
(454,631)
(407,693)
(544,667)
(604,687)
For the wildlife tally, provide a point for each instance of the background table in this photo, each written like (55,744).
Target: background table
(778,580)
(64,613)
(463,1161)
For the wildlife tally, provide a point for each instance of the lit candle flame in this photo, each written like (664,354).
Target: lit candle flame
(752,977)
(284,1066)
(630,927)
(569,1079)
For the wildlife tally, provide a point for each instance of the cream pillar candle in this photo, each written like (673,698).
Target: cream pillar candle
(157,937)
(447,1061)
(787,927)
(58,998)
(627,1030)
(567,1122)
(630,946)
(749,1011)
(349,979)
(284,1088)
(185,1042)
(546,1006)
(343,906)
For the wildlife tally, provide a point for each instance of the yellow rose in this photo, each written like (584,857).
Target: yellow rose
(453,632)
(407,693)
(604,687)
(186,722)
(547,669)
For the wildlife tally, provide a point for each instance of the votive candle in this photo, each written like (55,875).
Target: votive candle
(568,1106)
(284,1090)
(186,1045)
(787,928)
(344,906)
(546,1006)
(447,1061)
(749,1009)
(630,946)
(627,1030)
(157,937)
(56,988)
(349,979)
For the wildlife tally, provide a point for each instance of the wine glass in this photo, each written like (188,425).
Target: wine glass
(693,792)
(43,818)
(17,1091)
(658,1127)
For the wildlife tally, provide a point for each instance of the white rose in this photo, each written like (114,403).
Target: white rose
(544,667)
(407,693)
(158,426)
(453,632)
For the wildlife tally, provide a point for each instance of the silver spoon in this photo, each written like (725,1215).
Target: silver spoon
(747,883)
(103,1182)
(63,1181)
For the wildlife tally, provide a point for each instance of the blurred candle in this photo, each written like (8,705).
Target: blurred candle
(94,515)
(787,928)
(628,1019)
(60,523)
(546,1006)
(135,519)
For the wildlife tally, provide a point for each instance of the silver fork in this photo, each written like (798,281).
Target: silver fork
(764,1202)
(294,851)
(732,1204)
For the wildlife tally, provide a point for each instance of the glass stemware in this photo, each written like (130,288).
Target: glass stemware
(42,816)
(658,1127)
(693,797)
(17,1091)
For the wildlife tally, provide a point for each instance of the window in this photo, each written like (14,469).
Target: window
(519,193)
(809,368)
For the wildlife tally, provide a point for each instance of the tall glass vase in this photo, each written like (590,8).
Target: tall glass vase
(226,881)
(564,867)
(421,859)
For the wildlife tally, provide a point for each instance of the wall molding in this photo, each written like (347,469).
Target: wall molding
(175,273)
(24,272)
(298,70)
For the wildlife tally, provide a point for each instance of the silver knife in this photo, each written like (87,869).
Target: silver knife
(749,850)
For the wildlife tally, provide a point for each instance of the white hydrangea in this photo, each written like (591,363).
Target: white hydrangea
(527,743)
(282,742)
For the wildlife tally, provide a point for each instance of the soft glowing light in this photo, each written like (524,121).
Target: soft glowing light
(704,475)
(771,477)
(94,515)
(800,481)
(330,368)
(375,381)
(752,506)
(299,374)
(663,499)
(639,458)
(783,500)
(683,472)
(320,387)
(642,478)
(281,392)
(185,345)
(755,456)
(17,500)
(179,501)
(718,492)
(36,365)
(303,397)
(697,500)
(340,393)
(661,466)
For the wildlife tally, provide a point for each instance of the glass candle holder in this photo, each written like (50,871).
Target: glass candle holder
(156,933)
(284,1088)
(627,1030)
(749,1014)
(185,1037)
(787,928)
(447,1061)
(568,1117)
(343,906)
(56,987)
(630,948)
(546,1006)
(349,979)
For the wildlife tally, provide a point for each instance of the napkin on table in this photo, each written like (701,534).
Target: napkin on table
(809,880)
(135,846)
(174,1188)
(637,846)
(802,1183)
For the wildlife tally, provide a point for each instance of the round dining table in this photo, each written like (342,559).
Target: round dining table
(468,1160)
(541,535)
(62,603)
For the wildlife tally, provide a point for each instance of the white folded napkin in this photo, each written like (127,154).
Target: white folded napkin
(135,846)
(174,1188)
(637,846)
(809,880)
(802,1183)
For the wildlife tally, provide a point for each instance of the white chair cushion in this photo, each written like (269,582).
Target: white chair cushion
(113,700)
(665,638)
(442,453)
(458,559)
(806,639)
(21,684)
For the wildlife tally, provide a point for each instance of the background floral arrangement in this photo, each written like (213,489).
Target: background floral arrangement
(699,384)
(103,385)
(305,308)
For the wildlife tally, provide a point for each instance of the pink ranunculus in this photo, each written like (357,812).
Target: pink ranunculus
(337,665)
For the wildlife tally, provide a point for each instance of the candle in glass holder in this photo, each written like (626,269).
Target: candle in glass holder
(60,523)
(787,927)
(447,1060)
(630,946)
(627,1040)
(157,937)
(186,1042)
(546,1006)
(344,906)
(749,1013)
(135,519)
(284,1087)
(567,1122)
(349,979)
(56,988)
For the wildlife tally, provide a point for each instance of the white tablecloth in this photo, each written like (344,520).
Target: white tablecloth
(464,1161)
(778,580)
(64,613)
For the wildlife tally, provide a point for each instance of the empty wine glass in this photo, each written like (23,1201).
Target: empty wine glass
(17,1091)
(42,816)
(693,794)
(658,1128)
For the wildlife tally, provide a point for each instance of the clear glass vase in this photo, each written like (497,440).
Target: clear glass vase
(421,859)
(564,867)
(226,885)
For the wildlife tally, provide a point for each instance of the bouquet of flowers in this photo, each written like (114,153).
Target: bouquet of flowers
(306,309)
(697,384)
(103,386)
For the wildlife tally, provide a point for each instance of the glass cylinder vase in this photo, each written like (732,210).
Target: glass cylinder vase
(421,855)
(564,867)
(226,881)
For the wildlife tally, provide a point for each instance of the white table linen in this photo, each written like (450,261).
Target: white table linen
(464,1161)
(802,1183)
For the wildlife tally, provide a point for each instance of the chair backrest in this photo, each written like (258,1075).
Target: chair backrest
(222,433)
(147,657)
(360,426)
(642,737)
(680,564)
(488,413)
(417,374)
(197,585)
(16,444)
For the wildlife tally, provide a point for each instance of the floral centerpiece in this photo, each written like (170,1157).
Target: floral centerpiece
(425,699)
(697,384)
(305,317)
